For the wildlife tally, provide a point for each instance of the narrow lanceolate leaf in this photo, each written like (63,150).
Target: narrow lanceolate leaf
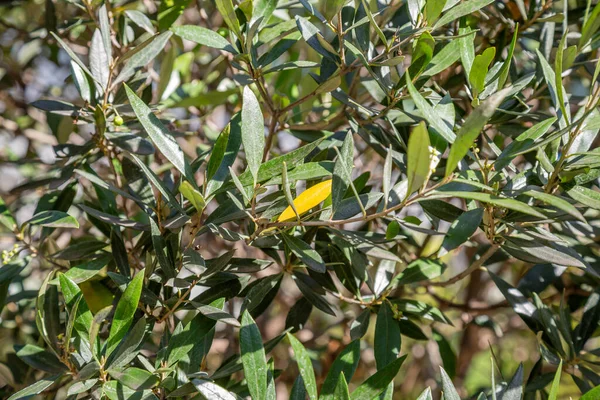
(210,390)
(428,113)
(378,382)
(308,199)
(479,69)
(36,388)
(310,257)
(345,364)
(142,55)
(514,390)
(54,219)
(226,9)
(523,143)
(419,158)
(160,136)
(342,172)
(157,182)
(387,337)
(461,230)
(253,357)
(160,247)
(472,127)
(462,9)
(557,202)
(341,391)
(99,59)
(499,201)
(553,395)
(305,367)
(587,197)
(253,132)
(448,387)
(193,196)
(124,312)
(419,270)
(203,36)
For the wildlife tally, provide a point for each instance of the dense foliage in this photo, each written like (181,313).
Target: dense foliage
(343,199)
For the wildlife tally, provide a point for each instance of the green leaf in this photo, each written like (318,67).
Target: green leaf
(160,136)
(169,11)
(479,69)
(83,272)
(253,357)
(387,337)
(419,270)
(193,196)
(553,395)
(331,8)
(160,247)
(428,113)
(158,184)
(422,54)
(305,366)
(6,218)
(38,358)
(462,9)
(272,168)
(433,9)
(253,132)
(514,390)
(585,196)
(226,9)
(344,365)
(38,387)
(557,202)
(472,127)
(558,70)
(462,229)
(448,387)
(135,378)
(341,391)
(224,154)
(141,20)
(73,56)
(124,312)
(378,382)
(116,391)
(183,342)
(342,176)
(446,352)
(419,158)
(210,390)
(141,56)
(203,36)
(313,38)
(263,9)
(499,201)
(523,143)
(129,348)
(53,219)
(310,257)
(591,25)
(426,395)
(71,292)
(592,394)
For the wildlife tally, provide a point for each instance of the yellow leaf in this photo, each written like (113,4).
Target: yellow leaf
(307,200)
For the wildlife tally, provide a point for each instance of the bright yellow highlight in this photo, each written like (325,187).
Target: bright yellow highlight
(307,200)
